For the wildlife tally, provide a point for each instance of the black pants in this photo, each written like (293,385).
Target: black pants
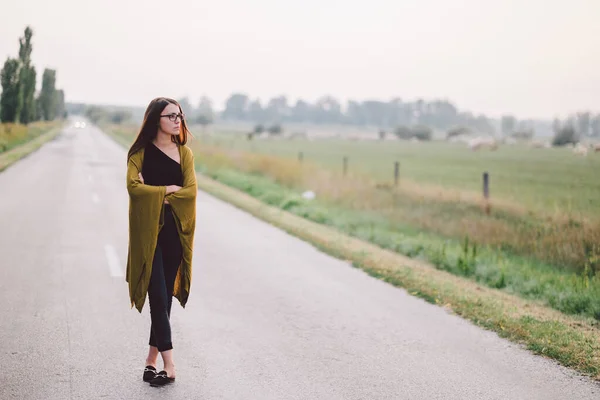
(167,258)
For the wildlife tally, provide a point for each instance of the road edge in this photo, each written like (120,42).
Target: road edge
(18,153)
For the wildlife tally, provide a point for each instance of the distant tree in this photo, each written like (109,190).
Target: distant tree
(204,121)
(48,96)
(566,134)
(355,114)
(556,125)
(75,108)
(39,113)
(382,134)
(422,132)
(375,112)
(259,128)
(186,106)
(595,126)
(403,132)
(482,124)
(27,83)
(120,116)
(394,112)
(275,129)
(445,115)
(526,134)
(508,123)
(205,112)
(302,111)
(205,106)
(525,130)
(327,110)
(458,131)
(236,107)
(256,112)
(95,113)
(418,109)
(277,109)
(583,123)
(9,100)
(27,79)
(59,103)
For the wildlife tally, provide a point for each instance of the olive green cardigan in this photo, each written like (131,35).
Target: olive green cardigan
(146,218)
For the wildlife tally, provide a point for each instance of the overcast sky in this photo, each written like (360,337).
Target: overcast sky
(533,58)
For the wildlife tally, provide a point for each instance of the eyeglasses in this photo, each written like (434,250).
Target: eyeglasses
(174,117)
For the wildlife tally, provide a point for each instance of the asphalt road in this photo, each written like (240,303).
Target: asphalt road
(269,316)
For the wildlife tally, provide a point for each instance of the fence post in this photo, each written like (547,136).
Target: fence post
(345,165)
(486,192)
(396,173)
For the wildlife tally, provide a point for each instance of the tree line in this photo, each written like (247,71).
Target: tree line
(396,115)
(18,100)
(575,127)
(388,115)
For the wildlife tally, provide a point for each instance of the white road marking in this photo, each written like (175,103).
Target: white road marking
(95,198)
(113,261)
(90,178)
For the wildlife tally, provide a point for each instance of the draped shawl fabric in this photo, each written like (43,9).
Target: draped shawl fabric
(146,218)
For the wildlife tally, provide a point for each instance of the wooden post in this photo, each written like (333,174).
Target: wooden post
(396,173)
(300,156)
(345,165)
(486,192)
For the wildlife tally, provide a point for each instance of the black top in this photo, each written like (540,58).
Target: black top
(159,169)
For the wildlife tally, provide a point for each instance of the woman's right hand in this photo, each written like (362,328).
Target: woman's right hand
(173,188)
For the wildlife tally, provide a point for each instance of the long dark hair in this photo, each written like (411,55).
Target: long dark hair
(149,128)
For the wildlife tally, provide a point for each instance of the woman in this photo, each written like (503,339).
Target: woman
(161,182)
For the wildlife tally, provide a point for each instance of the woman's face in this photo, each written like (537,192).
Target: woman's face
(170,120)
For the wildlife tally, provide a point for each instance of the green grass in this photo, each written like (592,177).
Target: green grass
(19,141)
(15,135)
(549,180)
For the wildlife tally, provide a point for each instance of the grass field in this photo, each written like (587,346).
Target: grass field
(14,135)
(539,180)
(17,141)
(545,202)
(495,288)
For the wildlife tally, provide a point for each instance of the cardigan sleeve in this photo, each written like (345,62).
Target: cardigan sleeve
(135,187)
(183,201)
(145,217)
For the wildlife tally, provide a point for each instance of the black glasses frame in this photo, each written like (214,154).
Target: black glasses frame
(174,117)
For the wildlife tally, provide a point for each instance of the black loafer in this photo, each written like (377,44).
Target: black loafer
(161,379)
(149,373)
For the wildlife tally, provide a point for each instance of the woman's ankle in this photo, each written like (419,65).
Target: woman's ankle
(151,362)
(170,370)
